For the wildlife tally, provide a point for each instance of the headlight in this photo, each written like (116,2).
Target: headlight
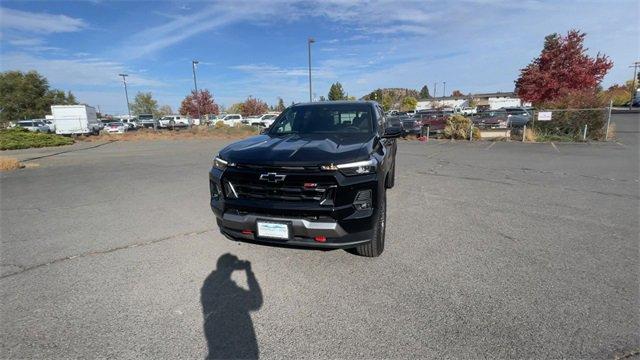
(354,168)
(219,163)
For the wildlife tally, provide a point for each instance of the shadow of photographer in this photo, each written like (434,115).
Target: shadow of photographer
(225,309)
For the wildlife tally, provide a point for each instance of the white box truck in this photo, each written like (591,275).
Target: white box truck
(75,119)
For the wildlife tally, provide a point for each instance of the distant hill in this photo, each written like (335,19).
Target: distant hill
(391,98)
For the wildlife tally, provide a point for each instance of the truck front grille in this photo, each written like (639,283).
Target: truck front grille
(284,193)
(296,187)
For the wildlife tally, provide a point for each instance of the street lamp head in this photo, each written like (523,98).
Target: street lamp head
(311,40)
(123,75)
(195,61)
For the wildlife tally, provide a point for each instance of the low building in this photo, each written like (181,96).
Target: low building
(486,101)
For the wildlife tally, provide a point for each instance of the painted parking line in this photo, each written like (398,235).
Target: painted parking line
(490,146)
(555,147)
(621,144)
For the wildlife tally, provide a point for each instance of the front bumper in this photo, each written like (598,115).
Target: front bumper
(243,227)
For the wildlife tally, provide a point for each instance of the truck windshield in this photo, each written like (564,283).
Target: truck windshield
(330,118)
(145,117)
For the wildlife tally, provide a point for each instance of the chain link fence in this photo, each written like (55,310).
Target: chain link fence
(571,124)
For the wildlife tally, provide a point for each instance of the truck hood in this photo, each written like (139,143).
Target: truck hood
(300,150)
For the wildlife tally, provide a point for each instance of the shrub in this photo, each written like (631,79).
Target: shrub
(7,164)
(458,126)
(220,125)
(18,138)
(581,108)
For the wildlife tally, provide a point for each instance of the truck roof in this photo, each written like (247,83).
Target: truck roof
(336,102)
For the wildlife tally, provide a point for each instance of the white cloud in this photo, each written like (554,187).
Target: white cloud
(180,28)
(43,23)
(90,71)
(26,41)
(265,70)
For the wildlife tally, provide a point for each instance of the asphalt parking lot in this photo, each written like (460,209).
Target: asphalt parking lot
(500,250)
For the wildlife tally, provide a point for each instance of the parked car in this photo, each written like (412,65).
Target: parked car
(518,116)
(491,119)
(410,125)
(316,178)
(104,122)
(262,120)
(434,120)
(268,119)
(36,125)
(252,120)
(131,123)
(147,121)
(213,119)
(231,119)
(116,127)
(466,110)
(50,124)
(175,121)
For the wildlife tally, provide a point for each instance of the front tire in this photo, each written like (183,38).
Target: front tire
(376,246)
(391,177)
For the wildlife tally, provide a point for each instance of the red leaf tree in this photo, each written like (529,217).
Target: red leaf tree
(203,101)
(253,106)
(562,67)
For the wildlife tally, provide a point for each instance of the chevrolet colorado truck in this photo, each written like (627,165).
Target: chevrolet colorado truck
(316,178)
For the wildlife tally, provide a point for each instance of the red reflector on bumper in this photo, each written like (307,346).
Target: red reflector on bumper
(247,232)
(320,239)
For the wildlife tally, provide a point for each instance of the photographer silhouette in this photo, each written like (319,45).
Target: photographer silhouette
(225,309)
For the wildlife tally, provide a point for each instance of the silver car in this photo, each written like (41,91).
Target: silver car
(34,125)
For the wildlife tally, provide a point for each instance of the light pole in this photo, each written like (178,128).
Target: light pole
(444,91)
(309,42)
(126,94)
(195,85)
(633,83)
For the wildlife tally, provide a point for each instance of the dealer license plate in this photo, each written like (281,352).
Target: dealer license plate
(273,230)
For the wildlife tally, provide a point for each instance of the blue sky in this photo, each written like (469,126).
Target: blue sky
(259,48)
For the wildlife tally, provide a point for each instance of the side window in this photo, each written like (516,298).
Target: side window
(286,124)
(381,120)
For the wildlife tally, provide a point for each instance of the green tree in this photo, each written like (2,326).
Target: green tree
(424,92)
(144,103)
(280,107)
(387,102)
(58,97)
(27,96)
(336,92)
(409,103)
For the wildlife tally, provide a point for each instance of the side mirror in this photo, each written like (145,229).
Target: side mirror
(392,132)
(264,131)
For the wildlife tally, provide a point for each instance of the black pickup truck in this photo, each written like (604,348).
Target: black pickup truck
(316,178)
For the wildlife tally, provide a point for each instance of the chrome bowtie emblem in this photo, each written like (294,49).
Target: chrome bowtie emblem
(272,177)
